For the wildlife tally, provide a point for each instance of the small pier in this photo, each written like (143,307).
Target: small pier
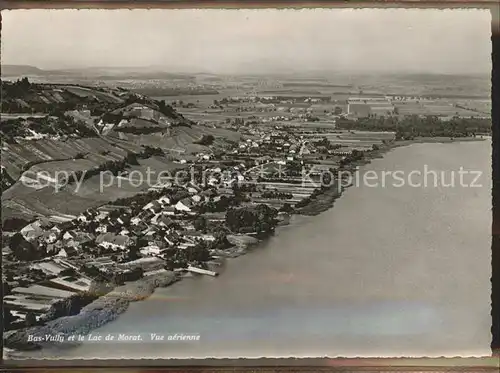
(202,271)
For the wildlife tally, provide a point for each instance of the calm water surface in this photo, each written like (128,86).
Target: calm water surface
(389,271)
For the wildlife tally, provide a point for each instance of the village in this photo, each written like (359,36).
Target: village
(229,200)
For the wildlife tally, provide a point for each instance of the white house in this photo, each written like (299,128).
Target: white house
(120,220)
(150,250)
(67,252)
(122,123)
(55,229)
(212,180)
(112,241)
(102,228)
(102,215)
(185,204)
(32,231)
(230,183)
(149,232)
(50,237)
(164,200)
(164,221)
(169,210)
(67,236)
(207,237)
(192,190)
(135,220)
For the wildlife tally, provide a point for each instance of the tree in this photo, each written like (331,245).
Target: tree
(141,242)
(133,253)
(112,118)
(8,318)
(68,272)
(166,109)
(161,105)
(150,151)
(14,224)
(131,159)
(356,154)
(294,168)
(206,140)
(92,271)
(286,208)
(337,110)
(198,253)
(30,319)
(200,224)
(22,249)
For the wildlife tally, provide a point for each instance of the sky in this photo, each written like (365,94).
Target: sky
(234,41)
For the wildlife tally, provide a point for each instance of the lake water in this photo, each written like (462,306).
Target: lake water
(389,271)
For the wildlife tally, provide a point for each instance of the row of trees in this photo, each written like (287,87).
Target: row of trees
(150,151)
(206,140)
(307,200)
(61,126)
(355,156)
(17,89)
(224,203)
(415,126)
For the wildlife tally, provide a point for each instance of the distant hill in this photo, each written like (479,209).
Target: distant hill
(15,70)
(102,73)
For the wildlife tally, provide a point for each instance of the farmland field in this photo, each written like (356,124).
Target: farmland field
(15,156)
(87,92)
(72,199)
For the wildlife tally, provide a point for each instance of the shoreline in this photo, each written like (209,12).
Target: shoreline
(101,311)
(108,307)
(326,199)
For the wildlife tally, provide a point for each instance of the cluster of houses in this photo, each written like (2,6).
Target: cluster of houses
(103,238)
(112,238)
